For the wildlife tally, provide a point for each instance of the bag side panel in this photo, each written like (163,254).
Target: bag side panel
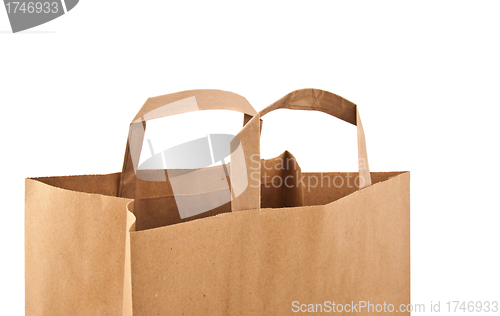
(74,252)
(105,184)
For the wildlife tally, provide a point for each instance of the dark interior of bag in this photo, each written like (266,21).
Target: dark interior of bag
(282,185)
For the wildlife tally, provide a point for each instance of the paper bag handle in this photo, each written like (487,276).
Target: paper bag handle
(167,105)
(304,99)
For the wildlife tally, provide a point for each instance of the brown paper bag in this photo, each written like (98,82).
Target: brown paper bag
(304,246)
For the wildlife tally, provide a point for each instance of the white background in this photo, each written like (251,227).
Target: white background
(425,75)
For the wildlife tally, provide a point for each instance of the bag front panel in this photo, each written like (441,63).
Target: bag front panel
(259,262)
